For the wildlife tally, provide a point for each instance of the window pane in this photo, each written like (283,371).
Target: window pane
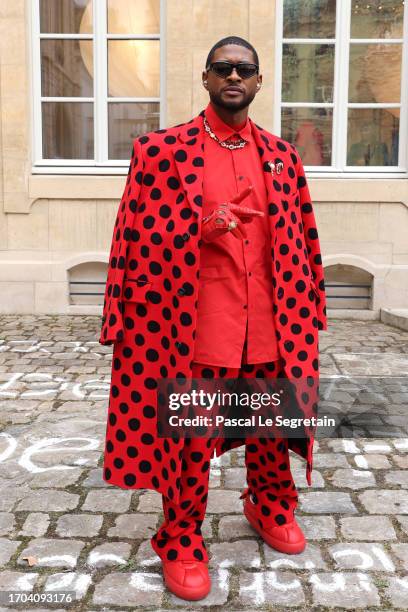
(66,16)
(377,19)
(126,122)
(375,73)
(134,68)
(66,68)
(130,17)
(310,130)
(307,73)
(311,19)
(373,137)
(67,130)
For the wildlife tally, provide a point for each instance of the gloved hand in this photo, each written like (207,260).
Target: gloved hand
(229,217)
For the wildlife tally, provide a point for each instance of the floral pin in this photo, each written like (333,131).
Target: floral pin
(278,167)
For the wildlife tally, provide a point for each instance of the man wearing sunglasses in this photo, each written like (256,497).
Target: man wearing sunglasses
(215,271)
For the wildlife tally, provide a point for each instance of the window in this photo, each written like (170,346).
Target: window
(97,81)
(342,80)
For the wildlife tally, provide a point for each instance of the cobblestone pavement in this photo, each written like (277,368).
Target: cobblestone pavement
(94,539)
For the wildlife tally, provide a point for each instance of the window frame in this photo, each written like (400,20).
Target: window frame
(340,103)
(100,164)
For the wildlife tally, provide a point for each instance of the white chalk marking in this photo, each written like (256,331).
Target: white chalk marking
(366,561)
(373,447)
(350,447)
(361,462)
(96,556)
(25,582)
(358,473)
(50,445)
(223,578)
(383,558)
(364,582)
(403,582)
(69,581)
(338,583)
(401,444)
(257,588)
(141,582)
(12,445)
(9,383)
(58,560)
(282,586)
(276,563)
(41,384)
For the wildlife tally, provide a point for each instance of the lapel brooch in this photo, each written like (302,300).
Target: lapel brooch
(278,167)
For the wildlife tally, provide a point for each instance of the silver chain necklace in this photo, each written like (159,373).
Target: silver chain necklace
(228,144)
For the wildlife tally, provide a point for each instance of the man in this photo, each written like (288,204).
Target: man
(214,271)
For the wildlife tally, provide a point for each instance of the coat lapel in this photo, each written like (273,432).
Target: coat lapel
(273,181)
(188,153)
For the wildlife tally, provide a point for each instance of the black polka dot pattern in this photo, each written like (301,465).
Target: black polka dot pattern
(269,480)
(152,290)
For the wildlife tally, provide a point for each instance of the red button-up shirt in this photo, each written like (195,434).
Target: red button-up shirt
(235,301)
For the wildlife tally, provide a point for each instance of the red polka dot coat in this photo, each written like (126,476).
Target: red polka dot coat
(150,304)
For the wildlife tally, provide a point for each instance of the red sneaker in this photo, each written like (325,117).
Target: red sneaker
(187,579)
(287,538)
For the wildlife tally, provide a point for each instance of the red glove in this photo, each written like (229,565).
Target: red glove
(229,217)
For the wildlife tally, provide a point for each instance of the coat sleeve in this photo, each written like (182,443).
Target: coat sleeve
(112,323)
(312,244)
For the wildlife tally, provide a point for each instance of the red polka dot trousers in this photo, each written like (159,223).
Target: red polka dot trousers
(268,473)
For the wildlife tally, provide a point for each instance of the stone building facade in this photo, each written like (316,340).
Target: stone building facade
(57,215)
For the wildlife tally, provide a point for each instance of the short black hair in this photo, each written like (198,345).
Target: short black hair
(231,40)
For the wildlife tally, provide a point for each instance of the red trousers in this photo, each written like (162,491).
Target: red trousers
(268,476)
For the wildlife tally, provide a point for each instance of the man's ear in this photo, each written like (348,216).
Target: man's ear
(258,85)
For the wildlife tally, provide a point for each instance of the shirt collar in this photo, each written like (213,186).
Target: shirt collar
(222,129)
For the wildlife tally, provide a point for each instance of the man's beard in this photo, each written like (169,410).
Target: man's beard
(232,105)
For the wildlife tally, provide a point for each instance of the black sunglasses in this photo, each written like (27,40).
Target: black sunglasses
(224,69)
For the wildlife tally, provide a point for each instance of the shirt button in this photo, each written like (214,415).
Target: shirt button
(245,305)
(186,236)
(240,178)
(249,273)
(181,291)
(246,241)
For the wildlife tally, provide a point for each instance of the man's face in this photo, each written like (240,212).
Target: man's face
(217,86)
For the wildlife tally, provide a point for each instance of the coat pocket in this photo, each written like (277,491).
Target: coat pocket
(135,290)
